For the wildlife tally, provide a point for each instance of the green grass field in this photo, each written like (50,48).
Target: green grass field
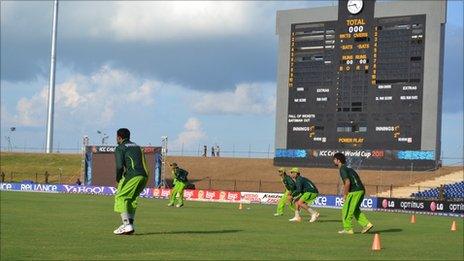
(24,166)
(58,226)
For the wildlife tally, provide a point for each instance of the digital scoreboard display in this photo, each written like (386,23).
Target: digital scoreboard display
(356,83)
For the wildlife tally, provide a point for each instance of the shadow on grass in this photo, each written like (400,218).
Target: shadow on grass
(328,220)
(391,230)
(188,232)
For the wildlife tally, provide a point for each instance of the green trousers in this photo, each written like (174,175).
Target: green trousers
(308,197)
(351,208)
(283,201)
(125,200)
(178,188)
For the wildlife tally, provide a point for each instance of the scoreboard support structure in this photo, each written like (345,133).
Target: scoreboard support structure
(364,78)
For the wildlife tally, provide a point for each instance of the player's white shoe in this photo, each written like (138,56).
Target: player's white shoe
(124,230)
(179,205)
(277,214)
(349,232)
(367,228)
(314,217)
(295,219)
(170,204)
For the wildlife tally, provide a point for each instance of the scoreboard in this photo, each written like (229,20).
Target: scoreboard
(356,85)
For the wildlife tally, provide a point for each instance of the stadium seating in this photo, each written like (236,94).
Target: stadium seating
(454,191)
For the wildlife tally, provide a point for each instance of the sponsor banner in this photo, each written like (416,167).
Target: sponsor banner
(430,207)
(365,154)
(161,193)
(261,198)
(332,201)
(110,149)
(416,155)
(58,188)
(31,187)
(435,207)
(325,201)
(99,190)
(101,149)
(288,153)
(202,195)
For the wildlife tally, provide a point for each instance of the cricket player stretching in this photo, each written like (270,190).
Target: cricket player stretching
(131,175)
(180,181)
(305,193)
(287,196)
(353,195)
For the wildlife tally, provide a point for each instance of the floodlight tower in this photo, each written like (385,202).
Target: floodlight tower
(51,88)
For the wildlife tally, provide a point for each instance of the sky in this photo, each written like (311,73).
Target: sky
(198,72)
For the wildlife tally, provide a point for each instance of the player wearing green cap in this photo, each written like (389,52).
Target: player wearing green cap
(286,198)
(353,195)
(180,182)
(304,194)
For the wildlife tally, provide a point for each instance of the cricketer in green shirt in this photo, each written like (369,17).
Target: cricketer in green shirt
(179,177)
(305,190)
(304,195)
(353,194)
(286,198)
(131,176)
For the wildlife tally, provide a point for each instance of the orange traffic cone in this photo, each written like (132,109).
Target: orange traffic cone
(453,226)
(240,206)
(413,219)
(376,244)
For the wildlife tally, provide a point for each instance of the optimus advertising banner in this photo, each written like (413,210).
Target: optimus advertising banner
(433,207)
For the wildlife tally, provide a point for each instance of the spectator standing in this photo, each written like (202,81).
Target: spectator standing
(217,150)
(212,151)
(205,151)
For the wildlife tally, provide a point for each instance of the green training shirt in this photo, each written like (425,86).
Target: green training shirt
(355,181)
(288,182)
(180,174)
(303,185)
(130,161)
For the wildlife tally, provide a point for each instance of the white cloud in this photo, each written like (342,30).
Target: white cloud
(28,110)
(191,134)
(178,19)
(87,99)
(146,20)
(143,93)
(247,98)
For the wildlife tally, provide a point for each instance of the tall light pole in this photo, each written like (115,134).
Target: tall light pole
(51,88)
(103,136)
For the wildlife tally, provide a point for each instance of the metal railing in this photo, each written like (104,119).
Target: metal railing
(37,177)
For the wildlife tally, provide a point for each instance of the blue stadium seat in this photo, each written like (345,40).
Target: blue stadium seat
(452,191)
